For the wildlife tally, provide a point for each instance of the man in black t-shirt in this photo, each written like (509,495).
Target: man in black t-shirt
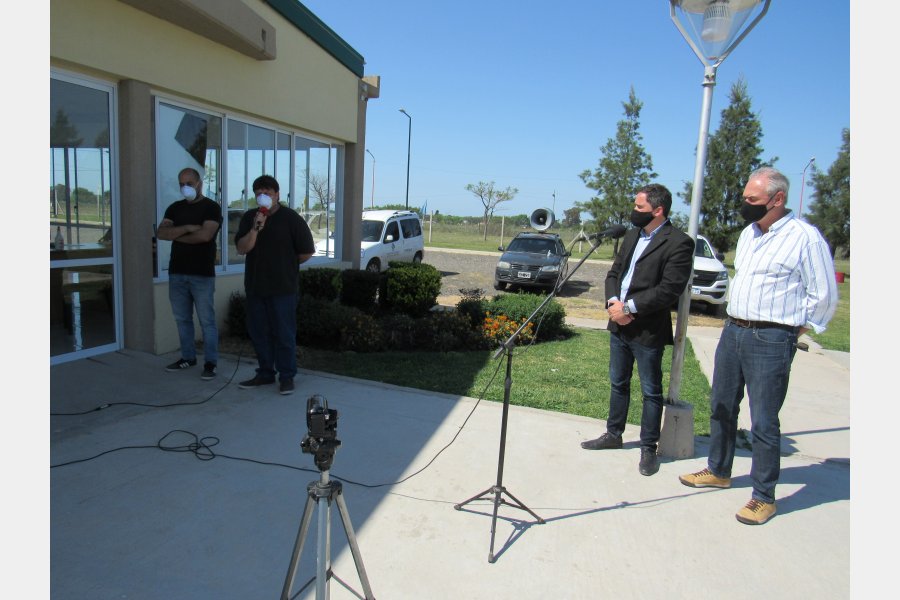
(276,240)
(191,225)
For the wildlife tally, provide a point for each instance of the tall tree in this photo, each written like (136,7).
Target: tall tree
(829,209)
(732,154)
(490,197)
(572,217)
(624,166)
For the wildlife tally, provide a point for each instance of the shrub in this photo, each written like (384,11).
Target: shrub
(320,282)
(473,306)
(359,289)
(448,330)
(412,288)
(550,325)
(399,331)
(360,332)
(319,322)
(236,318)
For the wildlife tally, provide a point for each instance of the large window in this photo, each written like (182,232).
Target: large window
(307,171)
(83,287)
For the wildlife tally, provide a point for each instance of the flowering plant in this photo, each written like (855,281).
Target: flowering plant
(498,328)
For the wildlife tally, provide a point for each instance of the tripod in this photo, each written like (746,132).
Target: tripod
(498,489)
(320,494)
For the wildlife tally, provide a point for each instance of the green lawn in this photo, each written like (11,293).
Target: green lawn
(570,376)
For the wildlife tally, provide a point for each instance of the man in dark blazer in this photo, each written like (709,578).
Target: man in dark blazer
(645,281)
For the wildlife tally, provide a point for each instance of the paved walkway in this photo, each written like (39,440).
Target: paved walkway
(141,523)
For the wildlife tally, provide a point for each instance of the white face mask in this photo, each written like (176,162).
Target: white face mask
(264,201)
(188,192)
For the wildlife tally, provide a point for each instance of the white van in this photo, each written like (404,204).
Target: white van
(386,235)
(710,282)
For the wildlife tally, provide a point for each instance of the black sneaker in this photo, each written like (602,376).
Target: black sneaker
(607,441)
(255,383)
(286,386)
(181,363)
(209,371)
(649,462)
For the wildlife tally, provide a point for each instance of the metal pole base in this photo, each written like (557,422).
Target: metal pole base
(498,491)
(321,493)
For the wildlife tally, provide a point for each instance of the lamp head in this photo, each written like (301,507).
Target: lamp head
(714,27)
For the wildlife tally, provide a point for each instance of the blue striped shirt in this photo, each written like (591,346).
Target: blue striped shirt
(785,275)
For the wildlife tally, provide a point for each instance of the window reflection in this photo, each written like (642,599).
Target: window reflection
(80,201)
(82,313)
(185,138)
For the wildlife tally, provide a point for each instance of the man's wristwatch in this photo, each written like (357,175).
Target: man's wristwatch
(625,309)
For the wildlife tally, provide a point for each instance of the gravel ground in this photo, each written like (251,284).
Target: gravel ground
(582,295)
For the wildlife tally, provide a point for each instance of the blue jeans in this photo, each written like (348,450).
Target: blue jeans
(185,293)
(761,360)
(622,356)
(272,325)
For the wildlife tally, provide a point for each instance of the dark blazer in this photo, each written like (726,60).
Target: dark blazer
(659,278)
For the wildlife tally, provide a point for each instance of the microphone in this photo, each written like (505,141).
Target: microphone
(615,232)
(263,210)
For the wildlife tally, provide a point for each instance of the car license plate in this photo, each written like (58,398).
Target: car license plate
(695,290)
(523,275)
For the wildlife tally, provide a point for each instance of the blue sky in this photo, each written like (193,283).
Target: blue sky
(525,93)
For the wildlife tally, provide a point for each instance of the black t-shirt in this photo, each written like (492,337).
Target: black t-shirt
(272,267)
(193,259)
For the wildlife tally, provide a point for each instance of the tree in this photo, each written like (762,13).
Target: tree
(733,153)
(490,198)
(829,209)
(624,167)
(322,191)
(572,217)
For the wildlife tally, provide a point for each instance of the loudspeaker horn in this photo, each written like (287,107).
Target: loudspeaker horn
(542,219)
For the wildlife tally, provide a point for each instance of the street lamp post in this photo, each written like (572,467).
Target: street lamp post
(712,29)
(408,149)
(372,201)
(803,186)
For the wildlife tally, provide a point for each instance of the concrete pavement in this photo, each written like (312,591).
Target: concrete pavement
(141,522)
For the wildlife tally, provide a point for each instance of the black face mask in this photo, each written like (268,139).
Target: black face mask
(752,213)
(641,219)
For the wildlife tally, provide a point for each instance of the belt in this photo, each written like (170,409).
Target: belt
(762,325)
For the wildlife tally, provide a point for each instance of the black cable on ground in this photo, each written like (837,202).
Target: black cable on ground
(201,448)
(174,404)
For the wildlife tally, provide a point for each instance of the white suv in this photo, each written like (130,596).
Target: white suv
(710,282)
(387,235)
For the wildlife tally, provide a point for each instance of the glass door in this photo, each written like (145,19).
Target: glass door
(83,275)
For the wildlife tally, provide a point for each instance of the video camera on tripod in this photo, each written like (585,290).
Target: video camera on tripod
(321,439)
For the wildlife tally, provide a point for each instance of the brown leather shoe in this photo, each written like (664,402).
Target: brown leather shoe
(705,478)
(756,512)
(607,441)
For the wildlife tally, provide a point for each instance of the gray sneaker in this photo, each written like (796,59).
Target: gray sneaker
(286,386)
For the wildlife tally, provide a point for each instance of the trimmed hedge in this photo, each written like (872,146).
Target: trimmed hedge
(408,323)
(320,282)
(411,288)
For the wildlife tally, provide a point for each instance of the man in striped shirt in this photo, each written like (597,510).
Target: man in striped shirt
(784,285)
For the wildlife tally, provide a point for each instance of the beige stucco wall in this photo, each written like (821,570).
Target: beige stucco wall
(314,91)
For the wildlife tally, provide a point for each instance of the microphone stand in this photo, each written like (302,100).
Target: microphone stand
(498,489)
